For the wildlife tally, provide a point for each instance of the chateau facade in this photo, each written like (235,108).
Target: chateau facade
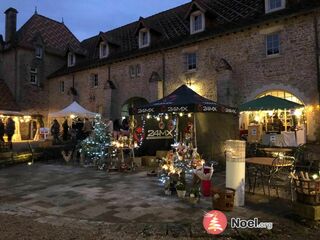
(229,51)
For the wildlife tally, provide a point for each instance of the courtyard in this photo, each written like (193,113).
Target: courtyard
(58,201)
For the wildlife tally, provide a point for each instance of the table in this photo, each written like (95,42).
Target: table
(285,139)
(269,162)
(267,169)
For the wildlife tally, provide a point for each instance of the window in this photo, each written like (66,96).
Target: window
(71,59)
(104,50)
(39,52)
(62,86)
(33,76)
(138,70)
(132,71)
(197,22)
(282,94)
(144,38)
(191,61)
(274,5)
(94,80)
(273,44)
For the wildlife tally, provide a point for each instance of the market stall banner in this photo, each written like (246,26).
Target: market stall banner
(153,135)
(182,100)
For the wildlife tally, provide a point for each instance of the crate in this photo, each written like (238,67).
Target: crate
(308,191)
(223,199)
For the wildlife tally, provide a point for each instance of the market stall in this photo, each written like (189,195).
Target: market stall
(273,121)
(187,118)
(73,110)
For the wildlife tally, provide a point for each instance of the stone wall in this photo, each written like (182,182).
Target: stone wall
(232,69)
(95,99)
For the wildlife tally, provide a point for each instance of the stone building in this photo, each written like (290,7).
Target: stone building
(27,57)
(230,51)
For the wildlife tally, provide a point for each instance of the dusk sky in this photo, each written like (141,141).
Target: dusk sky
(87,18)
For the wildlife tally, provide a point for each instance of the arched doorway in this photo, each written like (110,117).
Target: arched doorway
(291,124)
(281,94)
(132,102)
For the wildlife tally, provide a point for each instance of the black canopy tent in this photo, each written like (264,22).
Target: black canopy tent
(183,100)
(213,122)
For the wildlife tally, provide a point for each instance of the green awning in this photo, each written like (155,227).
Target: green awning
(269,103)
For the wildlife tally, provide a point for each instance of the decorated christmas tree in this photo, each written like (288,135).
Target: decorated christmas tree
(95,146)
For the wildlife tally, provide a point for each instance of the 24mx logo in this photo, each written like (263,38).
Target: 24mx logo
(178,109)
(160,134)
(209,109)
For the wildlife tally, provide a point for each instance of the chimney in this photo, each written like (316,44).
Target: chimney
(11,24)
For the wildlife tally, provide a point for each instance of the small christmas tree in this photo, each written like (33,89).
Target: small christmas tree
(214,224)
(96,145)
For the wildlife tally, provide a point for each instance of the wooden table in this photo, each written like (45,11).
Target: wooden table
(268,162)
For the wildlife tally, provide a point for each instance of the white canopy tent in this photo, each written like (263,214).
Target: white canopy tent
(73,109)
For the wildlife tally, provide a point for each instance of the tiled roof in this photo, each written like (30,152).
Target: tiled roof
(55,35)
(7,102)
(172,28)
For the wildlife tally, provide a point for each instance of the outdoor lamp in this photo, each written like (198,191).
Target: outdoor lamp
(166,117)
(148,116)
(181,114)
(189,115)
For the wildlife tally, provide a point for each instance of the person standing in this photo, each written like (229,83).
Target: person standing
(87,128)
(65,129)
(10,128)
(1,130)
(55,131)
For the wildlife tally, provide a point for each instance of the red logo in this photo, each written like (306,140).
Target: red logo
(215,222)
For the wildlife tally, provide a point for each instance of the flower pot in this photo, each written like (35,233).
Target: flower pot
(181,193)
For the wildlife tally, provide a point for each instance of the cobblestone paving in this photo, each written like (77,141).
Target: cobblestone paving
(46,201)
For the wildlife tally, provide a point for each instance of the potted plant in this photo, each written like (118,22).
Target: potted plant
(181,190)
(194,195)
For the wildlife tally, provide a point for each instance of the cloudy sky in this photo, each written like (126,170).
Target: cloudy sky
(87,18)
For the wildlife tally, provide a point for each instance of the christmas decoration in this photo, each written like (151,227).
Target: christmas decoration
(95,147)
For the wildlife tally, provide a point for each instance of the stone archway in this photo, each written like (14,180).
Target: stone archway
(132,102)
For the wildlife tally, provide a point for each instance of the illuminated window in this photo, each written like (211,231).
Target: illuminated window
(282,94)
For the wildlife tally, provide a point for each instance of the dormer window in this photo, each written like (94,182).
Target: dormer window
(39,52)
(274,5)
(71,59)
(197,22)
(104,50)
(144,38)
